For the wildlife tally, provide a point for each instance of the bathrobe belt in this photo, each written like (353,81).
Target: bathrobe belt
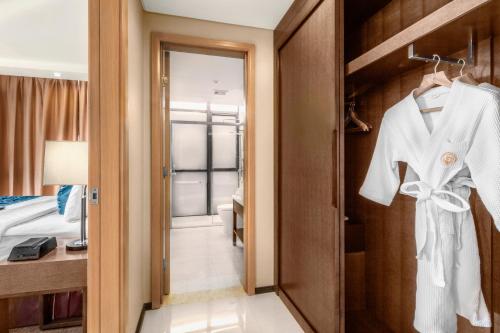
(427,216)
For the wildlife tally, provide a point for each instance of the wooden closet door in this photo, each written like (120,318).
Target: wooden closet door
(308,221)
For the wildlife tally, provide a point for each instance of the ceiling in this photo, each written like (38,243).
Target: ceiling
(253,13)
(40,37)
(194,77)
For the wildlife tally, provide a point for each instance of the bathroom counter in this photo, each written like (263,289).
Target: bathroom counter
(238,199)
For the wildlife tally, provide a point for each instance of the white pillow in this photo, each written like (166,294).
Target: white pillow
(73,210)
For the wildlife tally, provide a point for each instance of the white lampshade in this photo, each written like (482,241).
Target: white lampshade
(65,163)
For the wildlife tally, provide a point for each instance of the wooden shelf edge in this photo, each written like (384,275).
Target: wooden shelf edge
(432,22)
(62,323)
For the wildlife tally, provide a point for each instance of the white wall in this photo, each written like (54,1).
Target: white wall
(40,37)
(263,40)
(137,292)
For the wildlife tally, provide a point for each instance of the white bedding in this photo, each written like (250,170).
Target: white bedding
(51,199)
(33,218)
(48,225)
(26,211)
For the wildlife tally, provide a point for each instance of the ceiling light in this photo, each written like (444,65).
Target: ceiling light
(57,74)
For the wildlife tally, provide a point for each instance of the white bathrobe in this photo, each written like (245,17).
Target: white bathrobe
(447,153)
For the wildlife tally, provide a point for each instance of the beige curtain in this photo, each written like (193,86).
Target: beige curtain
(33,110)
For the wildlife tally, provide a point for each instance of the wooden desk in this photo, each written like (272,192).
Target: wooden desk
(58,271)
(237,232)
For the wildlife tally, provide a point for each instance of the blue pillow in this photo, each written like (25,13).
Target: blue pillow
(62,198)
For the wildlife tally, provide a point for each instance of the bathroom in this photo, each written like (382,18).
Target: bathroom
(206,98)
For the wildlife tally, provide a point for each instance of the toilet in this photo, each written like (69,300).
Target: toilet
(225,212)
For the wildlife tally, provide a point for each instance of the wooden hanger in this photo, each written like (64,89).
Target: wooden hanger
(467,77)
(430,81)
(352,116)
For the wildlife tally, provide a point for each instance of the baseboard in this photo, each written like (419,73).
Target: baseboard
(145,307)
(266,289)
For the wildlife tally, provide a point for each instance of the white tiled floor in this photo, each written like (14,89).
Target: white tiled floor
(196,221)
(249,314)
(203,259)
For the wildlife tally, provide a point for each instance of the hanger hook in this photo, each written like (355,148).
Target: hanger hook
(462,61)
(434,57)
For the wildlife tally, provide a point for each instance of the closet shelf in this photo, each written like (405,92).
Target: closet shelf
(444,31)
(357,11)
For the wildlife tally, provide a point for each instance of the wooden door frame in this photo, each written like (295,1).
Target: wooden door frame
(107,282)
(207,46)
(294,18)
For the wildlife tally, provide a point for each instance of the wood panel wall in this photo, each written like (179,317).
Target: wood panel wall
(308,228)
(389,231)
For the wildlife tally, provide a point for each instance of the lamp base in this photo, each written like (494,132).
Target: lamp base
(77,245)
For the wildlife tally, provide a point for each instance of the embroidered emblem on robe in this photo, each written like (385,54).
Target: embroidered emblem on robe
(448,159)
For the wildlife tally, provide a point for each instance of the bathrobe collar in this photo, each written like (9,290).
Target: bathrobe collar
(429,145)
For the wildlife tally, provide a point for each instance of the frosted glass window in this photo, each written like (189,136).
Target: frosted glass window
(188,115)
(223,108)
(189,146)
(224,185)
(224,146)
(189,191)
(224,119)
(188,106)
(242,110)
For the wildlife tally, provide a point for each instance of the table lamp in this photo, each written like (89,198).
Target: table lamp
(66,163)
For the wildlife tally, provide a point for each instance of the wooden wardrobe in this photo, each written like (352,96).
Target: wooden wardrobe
(343,263)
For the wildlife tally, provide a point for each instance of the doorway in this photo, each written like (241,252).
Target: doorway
(206,104)
(203,147)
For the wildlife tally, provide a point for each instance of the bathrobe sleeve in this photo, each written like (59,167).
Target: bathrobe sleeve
(483,158)
(382,180)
